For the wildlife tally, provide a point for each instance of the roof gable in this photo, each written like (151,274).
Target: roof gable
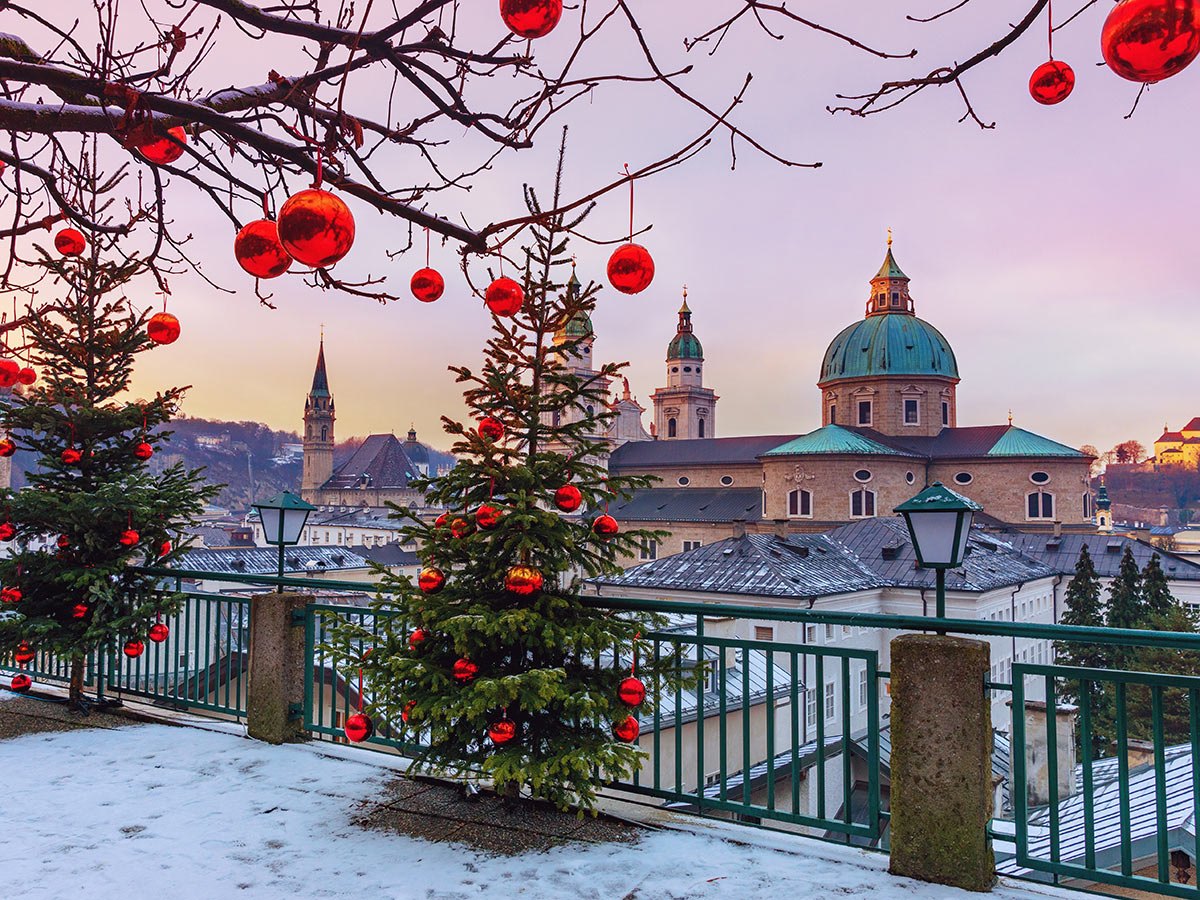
(379,462)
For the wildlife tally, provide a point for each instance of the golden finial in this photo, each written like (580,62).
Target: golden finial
(889,239)
(1010,417)
(685,292)
(322,332)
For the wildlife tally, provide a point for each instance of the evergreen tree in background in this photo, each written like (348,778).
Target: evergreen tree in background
(1082,607)
(92,510)
(1175,704)
(1157,600)
(1125,606)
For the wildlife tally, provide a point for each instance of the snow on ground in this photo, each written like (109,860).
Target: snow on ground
(182,813)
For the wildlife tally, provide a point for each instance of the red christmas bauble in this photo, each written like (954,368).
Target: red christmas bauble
(128,537)
(63,542)
(416,637)
(7,447)
(630,268)
(605,527)
(531,18)
(21,683)
(567,498)
(164,150)
(523,581)
(431,580)
(441,520)
(10,372)
(1149,40)
(165,548)
(27,375)
(79,611)
(316,227)
(359,727)
(7,531)
(464,670)
(71,456)
(133,648)
(427,285)
(408,707)
(143,451)
(491,429)
(10,595)
(1051,82)
(158,632)
(487,517)
(24,653)
(632,691)
(69,242)
(163,328)
(460,528)
(627,730)
(502,732)
(504,297)
(258,250)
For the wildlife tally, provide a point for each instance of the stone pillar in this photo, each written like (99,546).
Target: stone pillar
(941,791)
(276,670)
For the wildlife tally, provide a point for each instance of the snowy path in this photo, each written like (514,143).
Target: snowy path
(179,813)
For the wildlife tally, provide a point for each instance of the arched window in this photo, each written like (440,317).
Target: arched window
(800,504)
(700,428)
(832,413)
(862,504)
(1039,505)
(670,428)
(324,432)
(1087,504)
(591,410)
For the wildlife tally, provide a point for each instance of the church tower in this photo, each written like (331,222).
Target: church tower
(318,432)
(1104,524)
(685,409)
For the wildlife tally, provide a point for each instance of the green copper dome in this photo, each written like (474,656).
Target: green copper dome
(685,346)
(888,344)
(579,326)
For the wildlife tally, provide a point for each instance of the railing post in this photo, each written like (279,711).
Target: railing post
(276,669)
(941,774)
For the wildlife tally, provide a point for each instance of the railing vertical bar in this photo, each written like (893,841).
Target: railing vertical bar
(794,697)
(873,820)
(769,659)
(700,661)
(1160,784)
(723,721)
(747,760)
(847,782)
(1194,727)
(657,716)
(309,640)
(1020,796)
(678,724)
(1123,779)
(819,706)
(181,658)
(1051,763)
(1089,792)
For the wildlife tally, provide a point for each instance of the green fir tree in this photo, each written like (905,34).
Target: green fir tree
(1175,703)
(1082,608)
(1157,599)
(1125,606)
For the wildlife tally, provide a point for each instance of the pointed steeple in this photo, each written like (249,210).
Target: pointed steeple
(1102,501)
(685,345)
(573,284)
(889,287)
(320,384)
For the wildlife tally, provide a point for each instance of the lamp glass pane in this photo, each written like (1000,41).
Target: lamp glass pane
(933,533)
(293,524)
(962,538)
(271,518)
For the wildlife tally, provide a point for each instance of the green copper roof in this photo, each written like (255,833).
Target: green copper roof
(579,326)
(320,385)
(938,498)
(1102,501)
(889,344)
(889,269)
(835,439)
(1019,442)
(685,345)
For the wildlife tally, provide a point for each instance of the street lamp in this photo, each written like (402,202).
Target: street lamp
(939,522)
(283,518)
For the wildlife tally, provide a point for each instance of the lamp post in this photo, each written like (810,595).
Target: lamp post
(939,522)
(283,518)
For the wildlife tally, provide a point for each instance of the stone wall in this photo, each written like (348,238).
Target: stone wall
(1002,485)
(831,481)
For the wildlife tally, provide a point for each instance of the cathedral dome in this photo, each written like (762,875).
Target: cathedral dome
(685,344)
(888,344)
(579,326)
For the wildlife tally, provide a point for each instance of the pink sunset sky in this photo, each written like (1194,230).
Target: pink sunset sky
(1056,252)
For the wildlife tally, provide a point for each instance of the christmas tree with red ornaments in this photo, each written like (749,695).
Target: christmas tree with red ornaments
(492,660)
(93,508)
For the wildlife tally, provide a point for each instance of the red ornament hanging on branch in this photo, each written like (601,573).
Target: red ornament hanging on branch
(531,18)
(630,268)
(71,456)
(487,517)
(27,376)
(408,708)
(627,730)
(10,595)
(359,727)
(502,732)
(1149,40)
(63,542)
(523,581)
(165,548)
(128,538)
(416,638)
(431,580)
(316,228)
(491,429)
(504,297)
(163,150)
(24,653)
(158,632)
(442,520)
(7,531)
(567,498)
(143,451)
(79,610)
(464,670)
(259,251)
(460,528)
(10,372)
(163,328)
(1051,82)
(133,648)
(7,447)
(605,527)
(427,284)
(70,242)
(21,683)
(631,691)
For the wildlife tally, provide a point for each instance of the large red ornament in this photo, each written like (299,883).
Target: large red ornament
(133,648)
(1051,82)
(143,451)
(632,691)
(531,18)
(128,537)
(502,732)
(69,242)
(10,595)
(627,730)
(21,683)
(464,670)
(79,610)
(316,228)
(27,375)
(427,284)
(523,581)
(605,527)
(359,727)
(491,429)
(163,328)
(487,517)
(10,372)
(164,150)
(630,268)
(158,632)
(441,520)
(460,528)
(504,297)
(431,580)
(408,707)
(7,447)
(258,250)
(63,542)
(71,456)
(1149,40)
(7,531)
(24,653)
(417,637)
(567,498)
(165,548)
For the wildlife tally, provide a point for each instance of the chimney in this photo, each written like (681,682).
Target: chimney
(781,529)
(739,528)
(1057,528)
(1037,763)
(1137,753)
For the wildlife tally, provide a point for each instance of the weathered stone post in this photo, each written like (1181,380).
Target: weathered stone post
(941,791)
(276,670)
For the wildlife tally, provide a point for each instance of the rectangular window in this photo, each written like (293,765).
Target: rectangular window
(764,633)
(799,503)
(810,708)
(828,633)
(833,414)
(810,634)
(649,550)
(183,658)
(862,688)
(910,412)
(869,502)
(691,545)
(945,412)
(864,412)
(793,503)
(830,701)
(1047,506)
(856,504)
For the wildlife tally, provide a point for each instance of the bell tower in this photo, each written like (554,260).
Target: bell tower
(318,432)
(685,408)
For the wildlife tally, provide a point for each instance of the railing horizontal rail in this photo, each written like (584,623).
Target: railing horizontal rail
(367,587)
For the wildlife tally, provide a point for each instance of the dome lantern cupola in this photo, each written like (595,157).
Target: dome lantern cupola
(685,344)
(889,287)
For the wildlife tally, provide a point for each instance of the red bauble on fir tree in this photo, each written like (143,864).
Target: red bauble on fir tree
(71,456)
(504,297)
(164,150)
(427,284)
(531,18)
(63,542)
(491,429)
(627,730)
(431,580)
(21,683)
(487,517)
(630,268)
(502,732)
(128,538)
(442,521)
(258,250)
(605,527)
(1051,82)
(567,498)
(460,528)
(165,548)
(1149,40)
(632,691)
(69,242)
(27,376)
(523,581)
(24,653)
(416,638)
(163,328)
(408,707)
(464,670)
(10,372)
(158,632)
(7,447)
(7,531)
(316,228)
(79,610)
(143,451)
(133,648)
(10,595)
(359,727)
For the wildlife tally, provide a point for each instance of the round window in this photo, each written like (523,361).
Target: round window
(687,368)
(862,475)
(963,478)
(674,368)
(684,481)
(910,477)
(1039,477)
(726,480)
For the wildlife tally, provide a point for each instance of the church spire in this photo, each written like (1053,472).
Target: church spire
(320,384)
(889,287)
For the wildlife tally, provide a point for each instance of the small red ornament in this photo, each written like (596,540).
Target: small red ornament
(531,18)
(1149,40)
(427,284)
(630,268)
(1051,82)
(165,548)
(79,611)
(143,451)
(21,683)
(163,328)
(7,531)
(523,581)
(627,730)
(491,429)
(71,456)
(632,692)
(69,242)
(460,528)
(7,447)
(359,727)
(316,228)
(164,150)
(441,520)
(133,648)
(605,527)
(10,595)
(258,250)
(63,542)
(416,637)
(504,297)
(502,732)
(27,375)
(158,632)
(487,517)
(567,498)
(431,580)
(128,537)
(24,653)
(408,707)
(10,372)
(464,670)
